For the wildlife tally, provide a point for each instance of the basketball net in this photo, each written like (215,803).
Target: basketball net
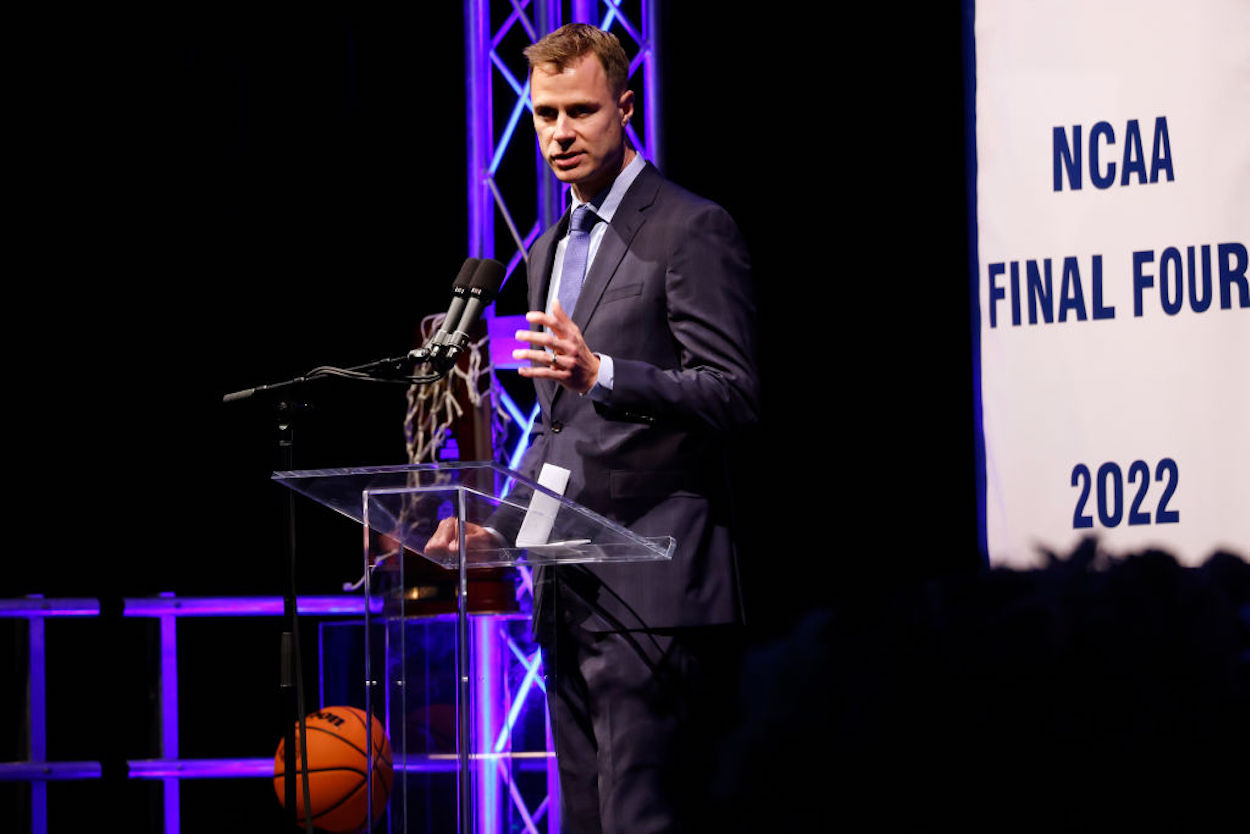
(435,408)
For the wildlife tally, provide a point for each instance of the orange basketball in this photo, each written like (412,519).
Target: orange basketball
(337,763)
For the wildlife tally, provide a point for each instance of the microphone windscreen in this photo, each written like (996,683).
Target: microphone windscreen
(464,279)
(487,279)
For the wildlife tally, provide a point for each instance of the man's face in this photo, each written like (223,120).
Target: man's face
(580,123)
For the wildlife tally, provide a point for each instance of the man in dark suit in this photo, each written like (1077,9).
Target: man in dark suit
(643,380)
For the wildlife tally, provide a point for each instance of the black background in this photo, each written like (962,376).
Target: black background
(225,197)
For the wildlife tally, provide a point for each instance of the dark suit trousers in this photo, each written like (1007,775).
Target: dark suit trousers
(636,717)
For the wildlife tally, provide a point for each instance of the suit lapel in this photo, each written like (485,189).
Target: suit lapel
(626,221)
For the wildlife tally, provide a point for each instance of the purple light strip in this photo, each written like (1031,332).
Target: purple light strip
(515,794)
(523,443)
(36,606)
(168,709)
(464,679)
(584,11)
(244,768)
(639,60)
(520,89)
(514,118)
(486,709)
(38,772)
(536,660)
(172,770)
(518,14)
(447,763)
(614,13)
(518,702)
(527,581)
(321,671)
(541,809)
(245,606)
(633,137)
(650,86)
(37,709)
(507,402)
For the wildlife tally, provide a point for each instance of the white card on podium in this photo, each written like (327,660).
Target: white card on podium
(541,515)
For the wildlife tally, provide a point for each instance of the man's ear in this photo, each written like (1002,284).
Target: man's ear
(626,106)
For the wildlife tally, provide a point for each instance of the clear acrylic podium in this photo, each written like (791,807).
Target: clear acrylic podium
(467,741)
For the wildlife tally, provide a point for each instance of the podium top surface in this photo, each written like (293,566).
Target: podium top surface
(531,525)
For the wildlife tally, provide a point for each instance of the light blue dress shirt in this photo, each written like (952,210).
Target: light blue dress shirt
(604,207)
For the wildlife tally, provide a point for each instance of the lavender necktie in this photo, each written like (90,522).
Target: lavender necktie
(573,273)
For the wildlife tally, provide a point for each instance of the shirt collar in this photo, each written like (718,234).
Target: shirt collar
(606,204)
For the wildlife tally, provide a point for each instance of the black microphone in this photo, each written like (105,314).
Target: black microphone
(482,290)
(459,296)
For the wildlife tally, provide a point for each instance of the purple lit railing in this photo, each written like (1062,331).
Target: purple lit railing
(37,769)
(167,608)
(170,768)
(496,710)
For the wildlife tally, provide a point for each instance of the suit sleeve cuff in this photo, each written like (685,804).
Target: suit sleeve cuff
(602,388)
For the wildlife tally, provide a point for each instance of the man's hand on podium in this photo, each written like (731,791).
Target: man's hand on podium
(445,543)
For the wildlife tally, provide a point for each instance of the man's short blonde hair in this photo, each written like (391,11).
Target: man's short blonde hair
(570,42)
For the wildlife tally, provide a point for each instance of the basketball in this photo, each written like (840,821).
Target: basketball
(337,763)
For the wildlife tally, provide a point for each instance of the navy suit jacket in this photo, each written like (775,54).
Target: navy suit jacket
(669,297)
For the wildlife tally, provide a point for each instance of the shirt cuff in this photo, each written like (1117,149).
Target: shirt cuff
(602,388)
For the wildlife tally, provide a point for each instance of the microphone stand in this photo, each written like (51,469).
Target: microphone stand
(396,369)
(291,675)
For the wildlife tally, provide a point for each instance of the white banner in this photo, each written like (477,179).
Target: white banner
(1113,280)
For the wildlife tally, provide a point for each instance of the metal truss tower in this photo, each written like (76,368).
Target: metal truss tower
(512,197)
